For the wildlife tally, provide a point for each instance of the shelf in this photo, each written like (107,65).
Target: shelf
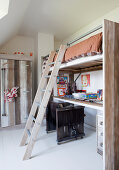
(16,57)
(82,63)
(96,106)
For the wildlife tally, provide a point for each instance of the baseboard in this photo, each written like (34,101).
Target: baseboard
(90,127)
(20,126)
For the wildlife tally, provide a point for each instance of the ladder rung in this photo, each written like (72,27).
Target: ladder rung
(33,118)
(26,91)
(43,90)
(38,103)
(47,76)
(51,63)
(28,132)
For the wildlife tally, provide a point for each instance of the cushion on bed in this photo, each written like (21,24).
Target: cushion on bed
(92,44)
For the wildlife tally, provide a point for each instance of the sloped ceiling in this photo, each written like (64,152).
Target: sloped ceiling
(10,24)
(59,17)
(63,17)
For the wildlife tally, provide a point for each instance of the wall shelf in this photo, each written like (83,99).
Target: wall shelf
(16,57)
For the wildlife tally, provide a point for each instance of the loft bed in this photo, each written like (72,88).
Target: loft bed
(77,61)
(111,95)
(84,55)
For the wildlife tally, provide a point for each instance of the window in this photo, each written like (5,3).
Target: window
(4,6)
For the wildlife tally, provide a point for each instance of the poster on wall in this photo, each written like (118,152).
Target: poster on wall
(61,85)
(85,80)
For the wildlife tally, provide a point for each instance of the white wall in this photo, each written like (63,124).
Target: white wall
(57,44)
(96,81)
(112,15)
(19,43)
(45,46)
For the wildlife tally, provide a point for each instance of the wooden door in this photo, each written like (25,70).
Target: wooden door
(15,73)
(25,89)
(111,95)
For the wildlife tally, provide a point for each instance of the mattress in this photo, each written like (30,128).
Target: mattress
(92,45)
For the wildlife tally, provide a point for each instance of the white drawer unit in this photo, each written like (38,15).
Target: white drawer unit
(100,133)
(100,144)
(100,121)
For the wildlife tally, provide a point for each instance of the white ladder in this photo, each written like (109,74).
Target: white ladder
(40,101)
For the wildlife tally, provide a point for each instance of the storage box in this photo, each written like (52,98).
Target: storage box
(85,95)
(79,95)
(91,96)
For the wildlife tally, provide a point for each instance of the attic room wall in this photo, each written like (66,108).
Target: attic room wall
(45,46)
(19,43)
(113,15)
(57,44)
(22,44)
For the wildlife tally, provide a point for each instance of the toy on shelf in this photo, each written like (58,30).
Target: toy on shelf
(100,94)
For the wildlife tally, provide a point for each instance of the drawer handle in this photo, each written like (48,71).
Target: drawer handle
(101,134)
(101,144)
(101,123)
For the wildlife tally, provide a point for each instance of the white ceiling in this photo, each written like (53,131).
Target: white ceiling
(63,17)
(59,17)
(10,24)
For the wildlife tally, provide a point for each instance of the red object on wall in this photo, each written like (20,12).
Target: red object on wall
(19,53)
(31,54)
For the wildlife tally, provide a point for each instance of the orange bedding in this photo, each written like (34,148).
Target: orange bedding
(92,44)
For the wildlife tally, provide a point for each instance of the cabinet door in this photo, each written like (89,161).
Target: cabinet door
(111,94)
(25,89)
(7,82)
(15,74)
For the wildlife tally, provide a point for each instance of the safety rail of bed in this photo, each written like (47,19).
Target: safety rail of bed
(82,62)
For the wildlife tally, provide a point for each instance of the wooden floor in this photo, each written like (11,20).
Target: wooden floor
(47,155)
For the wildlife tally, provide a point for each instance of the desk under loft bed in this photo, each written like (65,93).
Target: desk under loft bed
(75,66)
(86,64)
(109,59)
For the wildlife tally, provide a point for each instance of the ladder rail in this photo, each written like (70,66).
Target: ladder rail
(36,99)
(44,103)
